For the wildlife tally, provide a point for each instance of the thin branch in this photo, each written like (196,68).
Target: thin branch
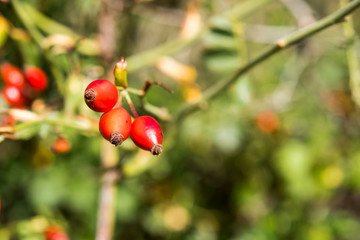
(106,215)
(109,155)
(161,113)
(281,44)
(129,101)
(352,57)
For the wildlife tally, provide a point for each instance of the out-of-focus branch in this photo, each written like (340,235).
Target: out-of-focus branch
(352,57)
(151,56)
(106,213)
(107,29)
(30,26)
(281,44)
(109,155)
(160,112)
(30,119)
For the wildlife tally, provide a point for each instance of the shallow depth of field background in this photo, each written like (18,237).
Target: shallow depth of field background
(275,156)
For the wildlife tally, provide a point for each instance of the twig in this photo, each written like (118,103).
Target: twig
(110,158)
(161,113)
(352,57)
(281,44)
(129,101)
(47,24)
(30,26)
(106,215)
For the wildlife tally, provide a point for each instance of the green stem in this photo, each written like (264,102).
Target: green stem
(60,122)
(27,20)
(131,90)
(30,26)
(160,112)
(352,58)
(282,44)
(129,101)
(47,24)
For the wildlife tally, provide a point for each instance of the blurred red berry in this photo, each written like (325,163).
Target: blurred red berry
(12,75)
(267,122)
(115,125)
(55,233)
(36,78)
(146,133)
(61,145)
(14,97)
(101,95)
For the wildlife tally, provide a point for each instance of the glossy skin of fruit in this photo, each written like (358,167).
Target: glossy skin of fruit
(101,95)
(55,233)
(115,125)
(36,78)
(14,97)
(146,133)
(12,75)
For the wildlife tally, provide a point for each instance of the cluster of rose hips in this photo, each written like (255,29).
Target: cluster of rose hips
(116,124)
(21,87)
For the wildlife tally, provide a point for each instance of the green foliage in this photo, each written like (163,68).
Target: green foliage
(225,173)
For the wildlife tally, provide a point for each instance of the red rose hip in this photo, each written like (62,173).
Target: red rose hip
(11,75)
(115,125)
(14,97)
(146,133)
(101,95)
(36,78)
(61,145)
(55,233)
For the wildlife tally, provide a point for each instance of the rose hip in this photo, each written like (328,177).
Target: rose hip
(101,95)
(115,125)
(146,133)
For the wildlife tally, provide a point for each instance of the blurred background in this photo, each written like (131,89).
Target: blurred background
(275,156)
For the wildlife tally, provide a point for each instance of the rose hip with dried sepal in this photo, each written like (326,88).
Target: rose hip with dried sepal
(146,133)
(101,95)
(115,125)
